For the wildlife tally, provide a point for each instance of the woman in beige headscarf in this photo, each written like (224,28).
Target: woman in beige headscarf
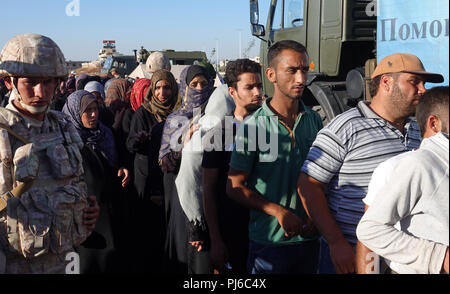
(144,141)
(159,102)
(162,96)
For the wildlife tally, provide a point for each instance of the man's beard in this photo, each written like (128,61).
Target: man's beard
(249,107)
(291,96)
(400,103)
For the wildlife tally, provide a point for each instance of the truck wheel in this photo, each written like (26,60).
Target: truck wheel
(321,112)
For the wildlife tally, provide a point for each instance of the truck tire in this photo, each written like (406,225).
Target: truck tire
(329,105)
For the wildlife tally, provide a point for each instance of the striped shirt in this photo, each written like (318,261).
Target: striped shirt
(345,154)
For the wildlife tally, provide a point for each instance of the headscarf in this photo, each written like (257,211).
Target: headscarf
(70,85)
(152,104)
(196,70)
(138,92)
(86,100)
(191,99)
(209,68)
(108,83)
(81,81)
(189,179)
(94,86)
(118,94)
(99,138)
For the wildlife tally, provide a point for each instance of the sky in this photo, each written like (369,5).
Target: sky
(183,25)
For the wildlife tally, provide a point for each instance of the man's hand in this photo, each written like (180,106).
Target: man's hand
(308,229)
(168,163)
(125,175)
(91,213)
(291,224)
(197,244)
(343,257)
(218,254)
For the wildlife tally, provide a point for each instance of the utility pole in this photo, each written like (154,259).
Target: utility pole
(135,56)
(217,55)
(240,43)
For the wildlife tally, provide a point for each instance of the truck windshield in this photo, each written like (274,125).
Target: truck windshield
(107,64)
(293,14)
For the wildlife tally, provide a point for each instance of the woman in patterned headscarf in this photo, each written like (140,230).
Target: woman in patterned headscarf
(107,82)
(138,92)
(118,95)
(82,109)
(117,101)
(101,172)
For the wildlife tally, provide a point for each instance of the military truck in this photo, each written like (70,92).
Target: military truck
(125,64)
(342,42)
(184,57)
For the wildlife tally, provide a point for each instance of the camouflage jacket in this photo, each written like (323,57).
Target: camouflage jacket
(48,217)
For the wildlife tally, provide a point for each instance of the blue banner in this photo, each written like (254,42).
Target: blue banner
(418,27)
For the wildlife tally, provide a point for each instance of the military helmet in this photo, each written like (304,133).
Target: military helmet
(32,55)
(156,61)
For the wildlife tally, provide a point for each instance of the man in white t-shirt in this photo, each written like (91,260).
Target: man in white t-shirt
(432,119)
(369,262)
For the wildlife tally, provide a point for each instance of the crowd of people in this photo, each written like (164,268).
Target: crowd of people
(165,176)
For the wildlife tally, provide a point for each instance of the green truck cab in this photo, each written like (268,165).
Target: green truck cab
(123,64)
(340,39)
(346,38)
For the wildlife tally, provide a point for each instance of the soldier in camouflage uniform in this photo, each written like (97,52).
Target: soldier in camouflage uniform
(44,210)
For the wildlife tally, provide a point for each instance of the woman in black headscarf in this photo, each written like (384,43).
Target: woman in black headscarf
(180,256)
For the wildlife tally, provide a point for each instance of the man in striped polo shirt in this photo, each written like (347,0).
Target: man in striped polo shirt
(338,168)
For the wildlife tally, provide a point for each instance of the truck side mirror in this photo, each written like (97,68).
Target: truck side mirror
(258,30)
(254,12)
